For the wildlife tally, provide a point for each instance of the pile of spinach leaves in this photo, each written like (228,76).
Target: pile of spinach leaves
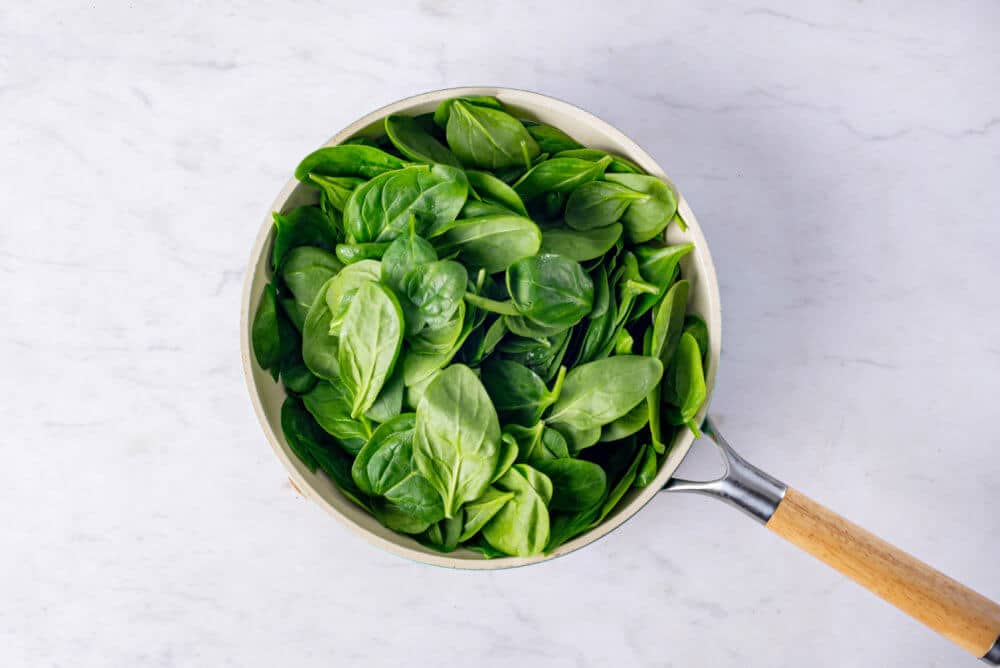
(483,337)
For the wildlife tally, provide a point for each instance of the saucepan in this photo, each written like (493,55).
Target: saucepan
(953,610)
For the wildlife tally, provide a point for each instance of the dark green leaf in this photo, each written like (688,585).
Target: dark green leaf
(415,142)
(645,219)
(370,341)
(304,226)
(493,242)
(347,160)
(598,204)
(264,332)
(580,245)
(380,210)
(559,175)
(457,443)
(576,484)
(488,138)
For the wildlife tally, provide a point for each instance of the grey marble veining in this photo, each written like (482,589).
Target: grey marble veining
(843,158)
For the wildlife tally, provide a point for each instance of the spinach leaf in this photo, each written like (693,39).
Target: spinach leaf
(444,535)
(600,392)
(508,455)
(347,160)
(482,510)
(488,138)
(618,163)
(580,245)
(475,208)
(537,442)
(697,328)
(550,290)
(518,394)
(415,142)
(647,469)
(684,384)
(342,288)
(457,442)
(435,291)
(552,140)
(304,271)
(384,467)
(393,517)
(644,219)
(521,528)
(627,424)
(297,430)
(560,175)
(304,226)
(264,332)
(319,346)
(664,335)
(492,242)
(305,436)
(404,254)
(576,484)
(330,406)
(443,110)
(351,253)
(389,403)
(598,204)
(441,339)
(294,373)
(370,340)
(380,210)
(659,266)
(336,190)
(492,190)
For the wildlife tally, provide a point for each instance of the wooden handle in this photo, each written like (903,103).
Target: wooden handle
(958,613)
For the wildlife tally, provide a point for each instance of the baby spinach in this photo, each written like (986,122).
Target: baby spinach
(351,253)
(495,278)
(347,160)
(696,327)
(435,291)
(491,189)
(518,393)
(457,442)
(336,190)
(560,175)
(413,141)
(552,140)
(488,138)
(330,405)
(319,345)
(521,528)
(381,209)
(537,442)
(600,392)
(482,510)
(658,265)
(443,110)
(618,163)
(684,385)
(304,272)
(384,467)
(405,253)
(598,204)
(576,484)
(580,245)
(550,290)
(644,219)
(264,332)
(370,339)
(304,226)
(492,242)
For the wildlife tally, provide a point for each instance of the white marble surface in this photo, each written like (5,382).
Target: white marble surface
(842,157)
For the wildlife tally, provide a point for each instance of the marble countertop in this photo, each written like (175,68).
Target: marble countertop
(842,157)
